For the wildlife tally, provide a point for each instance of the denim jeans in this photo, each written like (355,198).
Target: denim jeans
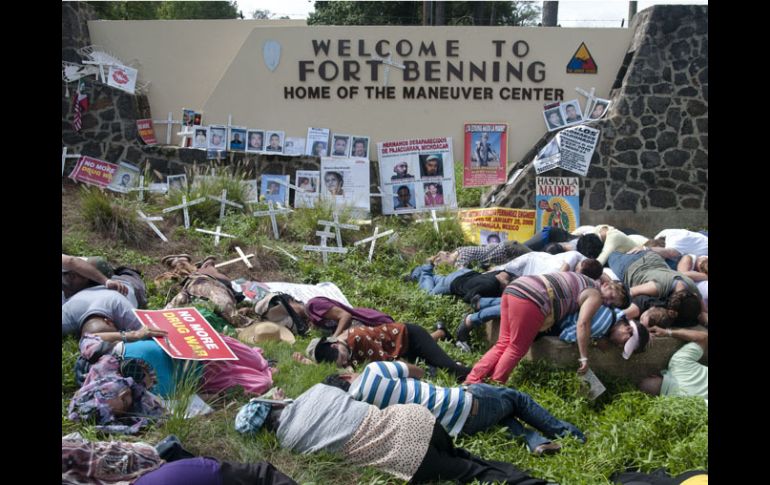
(435,285)
(619,262)
(489,308)
(548,235)
(503,405)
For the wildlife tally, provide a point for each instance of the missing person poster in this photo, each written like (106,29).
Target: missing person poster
(486,154)
(557,200)
(190,336)
(417,175)
(497,224)
(571,149)
(94,171)
(146,131)
(317,142)
(345,181)
(308,190)
(271,189)
(125,179)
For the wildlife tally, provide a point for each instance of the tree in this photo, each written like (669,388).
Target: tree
(166,10)
(410,13)
(266,15)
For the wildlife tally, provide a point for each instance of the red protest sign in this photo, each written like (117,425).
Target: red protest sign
(190,336)
(94,171)
(146,131)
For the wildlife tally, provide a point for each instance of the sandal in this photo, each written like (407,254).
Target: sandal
(200,264)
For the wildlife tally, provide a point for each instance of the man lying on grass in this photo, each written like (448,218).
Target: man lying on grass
(469,410)
(404,440)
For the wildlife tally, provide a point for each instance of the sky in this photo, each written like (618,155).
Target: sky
(579,13)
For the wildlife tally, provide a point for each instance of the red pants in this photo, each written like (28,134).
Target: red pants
(520,321)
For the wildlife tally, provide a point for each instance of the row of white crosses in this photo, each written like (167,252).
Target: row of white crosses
(326,233)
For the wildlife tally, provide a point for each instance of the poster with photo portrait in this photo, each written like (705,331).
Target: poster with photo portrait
(217,137)
(294,146)
(273,141)
(125,179)
(340,146)
(570,112)
(177,182)
(492,237)
(317,144)
(431,165)
(271,189)
(250,190)
(359,147)
(236,139)
(404,197)
(598,109)
(345,182)
(188,117)
(308,184)
(201,137)
(553,118)
(401,169)
(255,141)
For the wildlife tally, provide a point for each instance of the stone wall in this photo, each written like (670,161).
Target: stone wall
(650,168)
(109,129)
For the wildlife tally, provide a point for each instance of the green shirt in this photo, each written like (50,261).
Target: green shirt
(685,376)
(652,267)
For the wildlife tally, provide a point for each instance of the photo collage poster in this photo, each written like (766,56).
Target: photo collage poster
(417,175)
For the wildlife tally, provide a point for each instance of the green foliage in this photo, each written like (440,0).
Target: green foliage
(410,13)
(113,217)
(466,196)
(165,10)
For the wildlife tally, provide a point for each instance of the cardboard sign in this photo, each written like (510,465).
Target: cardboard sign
(558,203)
(94,171)
(497,224)
(486,154)
(146,131)
(123,78)
(190,337)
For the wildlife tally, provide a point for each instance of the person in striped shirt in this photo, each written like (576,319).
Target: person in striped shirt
(531,304)
(611,323)
(458,409)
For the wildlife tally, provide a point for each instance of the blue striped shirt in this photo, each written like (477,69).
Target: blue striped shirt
(603,319)
(386,383)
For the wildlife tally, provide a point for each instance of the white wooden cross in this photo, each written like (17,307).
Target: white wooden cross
(216,234)
(590,96)
(170,122)
(337,226)
(433,218)
(323,248)
(373,239)
(294,258)
(388,62)
(140,188)
(241,257)
(149,221)
(223,200)
(184,205)
(272,211)
(65,156)
(187,132)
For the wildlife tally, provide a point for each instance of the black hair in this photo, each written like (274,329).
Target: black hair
(590,245)
(335,380)
(337,175)
(687,306)
(403,187)
(644,337)
(324,352)
(273,419)
(592,268)
(554,248)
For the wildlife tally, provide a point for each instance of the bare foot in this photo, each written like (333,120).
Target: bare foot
(297,356)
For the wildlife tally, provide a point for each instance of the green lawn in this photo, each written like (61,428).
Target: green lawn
(624,427)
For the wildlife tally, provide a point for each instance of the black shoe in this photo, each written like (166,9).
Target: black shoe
(447,335)
(475,302)
(170,449)
(463,332)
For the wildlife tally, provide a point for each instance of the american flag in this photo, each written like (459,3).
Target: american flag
(80,103)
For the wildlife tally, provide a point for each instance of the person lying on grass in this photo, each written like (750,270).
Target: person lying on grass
(388,341)
(136,362)
(470,410)
(92,462)
(332,315)
(403,440)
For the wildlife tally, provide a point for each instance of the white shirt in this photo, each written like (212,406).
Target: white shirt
(686,242)
(537,262)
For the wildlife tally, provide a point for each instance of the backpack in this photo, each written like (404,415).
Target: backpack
(275,307)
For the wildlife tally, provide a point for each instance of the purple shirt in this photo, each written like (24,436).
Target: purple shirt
(317,307)
(190,471)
